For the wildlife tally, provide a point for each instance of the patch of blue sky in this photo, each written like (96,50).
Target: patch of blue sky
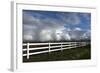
(54,20)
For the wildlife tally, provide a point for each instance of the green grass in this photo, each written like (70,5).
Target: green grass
(80,53)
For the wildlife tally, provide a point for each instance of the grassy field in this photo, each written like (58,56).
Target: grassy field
(80,53)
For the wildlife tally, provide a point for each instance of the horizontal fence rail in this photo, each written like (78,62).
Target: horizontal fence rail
(38,48)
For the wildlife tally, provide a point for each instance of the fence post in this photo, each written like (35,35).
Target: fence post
(27,50)
(75,44)
(71,44)
(49,46)
(61,47)
(82,43)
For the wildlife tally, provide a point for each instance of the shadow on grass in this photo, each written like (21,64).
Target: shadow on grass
(80,53)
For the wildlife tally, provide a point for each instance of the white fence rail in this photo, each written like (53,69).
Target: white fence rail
(49,47)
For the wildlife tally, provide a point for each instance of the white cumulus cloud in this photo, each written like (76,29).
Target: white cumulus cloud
(36,28)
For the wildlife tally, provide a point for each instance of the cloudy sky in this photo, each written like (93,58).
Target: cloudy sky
(55,26)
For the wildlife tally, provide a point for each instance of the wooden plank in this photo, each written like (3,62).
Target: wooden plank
(46,47)
(36,53)
(50,43)
(46,51)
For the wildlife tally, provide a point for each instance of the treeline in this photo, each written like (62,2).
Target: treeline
(28,41)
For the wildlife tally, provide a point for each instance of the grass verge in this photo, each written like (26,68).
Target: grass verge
(80,53)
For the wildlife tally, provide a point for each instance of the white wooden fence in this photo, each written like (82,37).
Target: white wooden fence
(59,46)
